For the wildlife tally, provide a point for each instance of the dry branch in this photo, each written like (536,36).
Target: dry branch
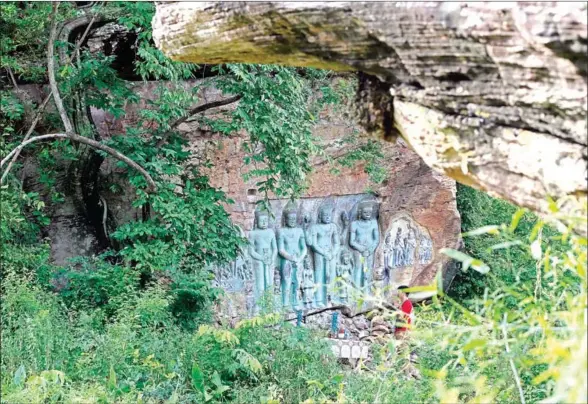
(65,118)
(196,110)
(491,94)
(47,98)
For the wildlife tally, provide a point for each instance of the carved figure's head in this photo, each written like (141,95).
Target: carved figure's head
(366,212)
(344,218)
(345,257)
(290,213)
(307,263)
(291,219)
(326,214)
(398,233)
(306,218)
(261,219)
(388,240)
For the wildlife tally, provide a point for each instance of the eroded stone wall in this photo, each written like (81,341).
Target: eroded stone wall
(413,198)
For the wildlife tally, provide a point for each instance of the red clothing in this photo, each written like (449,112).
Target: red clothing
(405,320)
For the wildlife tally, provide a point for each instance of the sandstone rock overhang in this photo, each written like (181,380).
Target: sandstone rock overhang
(491,94)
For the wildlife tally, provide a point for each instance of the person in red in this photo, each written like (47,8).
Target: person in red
(401,331)
(404,321)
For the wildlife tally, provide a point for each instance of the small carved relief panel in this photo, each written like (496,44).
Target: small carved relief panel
(406,244)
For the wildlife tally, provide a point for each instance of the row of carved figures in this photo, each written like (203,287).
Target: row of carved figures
(401,252)
(315,263)
(293,247)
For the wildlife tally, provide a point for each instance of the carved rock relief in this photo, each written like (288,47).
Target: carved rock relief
(325,252)
(406,247)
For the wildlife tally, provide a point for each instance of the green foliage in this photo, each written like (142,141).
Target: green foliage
(120,327)
(366,151)
(191,223)
(92,283)
(523,316)
(275,113)
(505,250)
(24,31)
(152,63)
(99,82)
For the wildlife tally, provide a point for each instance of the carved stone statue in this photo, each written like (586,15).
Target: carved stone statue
(344,272)
(425,250)
(364,238)
(388,251)
(344,228)
(292,250)
(263,251)
(410,247)
(398,256)
(306,226)
(325,244)
(307,284)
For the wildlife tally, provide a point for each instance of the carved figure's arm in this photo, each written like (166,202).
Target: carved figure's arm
(336,240)
(274,248)
(315,244)
(254,253)
(302,246)
(375,237)
(353,240)
(308,236)
(282,250)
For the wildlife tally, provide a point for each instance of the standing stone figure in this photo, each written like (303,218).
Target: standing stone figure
(388,252)
(307,226)
(325,244)
(292,250)
(263,252)
(344,272)
(425,250)
(410,247)
(344,228)
(364,238)
(307,284)
(398,250)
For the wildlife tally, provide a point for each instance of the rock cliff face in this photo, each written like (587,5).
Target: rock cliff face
(413,196)
(474,87)
(416,206)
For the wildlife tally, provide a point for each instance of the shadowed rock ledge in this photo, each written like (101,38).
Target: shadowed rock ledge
(491,94)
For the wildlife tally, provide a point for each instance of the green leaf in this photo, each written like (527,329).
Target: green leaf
(516,218)
(466,260)
(216,379)
(112,379)
(474,343)
(491,229)
(197,378)
(506,244)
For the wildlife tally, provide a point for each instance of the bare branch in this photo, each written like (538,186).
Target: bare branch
(67,123)
(51,72)
(204,107)
(116,154)
(25,143)
(28,134)
(197,110)
(12,78)
(84,140)
(46,100)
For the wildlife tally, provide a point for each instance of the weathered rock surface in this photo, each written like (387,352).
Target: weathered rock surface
(491,94)
(412,192)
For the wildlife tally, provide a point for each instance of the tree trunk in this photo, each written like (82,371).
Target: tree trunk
(491,94)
